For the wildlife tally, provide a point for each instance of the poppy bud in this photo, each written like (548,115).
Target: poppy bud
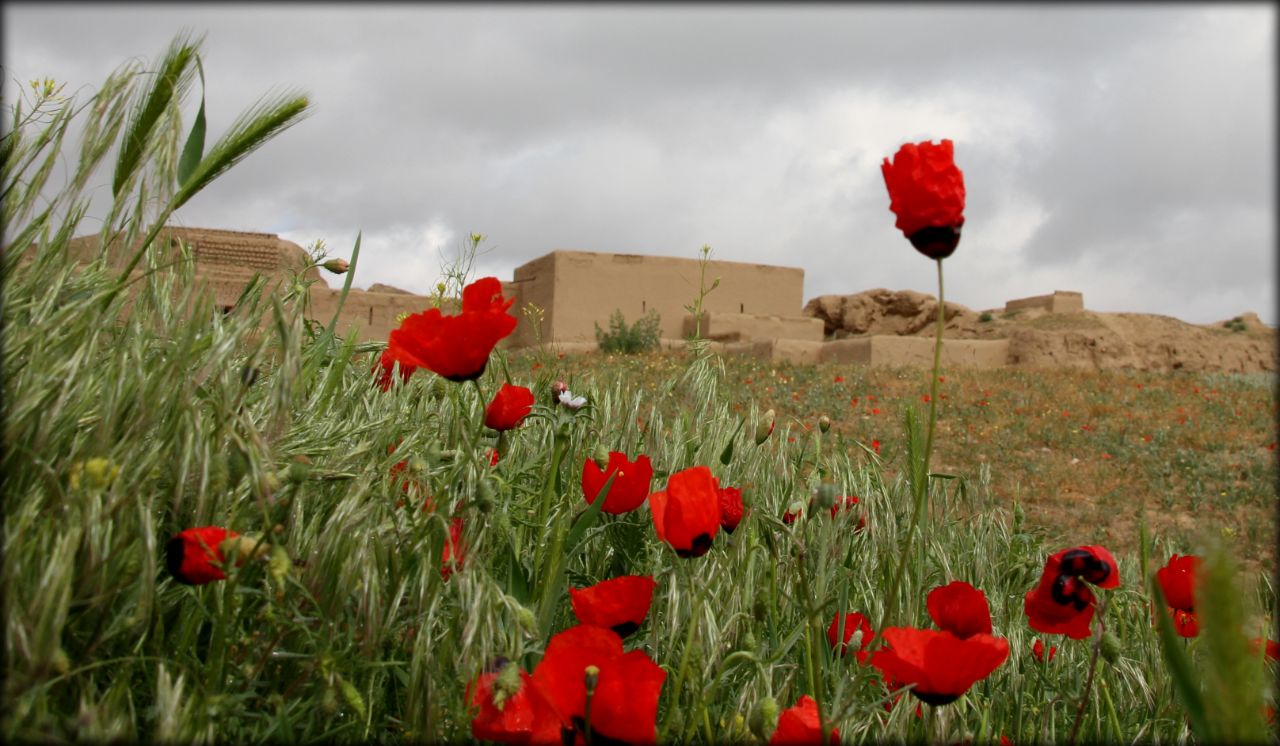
(726,455)
(507,685)
(337,266)
(298,471)
(749,641)
(601,456)
(763,718)
(526,619)
(590,676)
(96,473)
(484,496)
(824,423)
(1019,515)
(1110,647)
(765,428)
(824,498)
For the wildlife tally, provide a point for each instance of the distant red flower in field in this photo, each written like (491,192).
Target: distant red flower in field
(630,485)
(193,556)
(508,408)
(511,709)
(1272,649)
(926,192)
(960,609)
(624,705)
(686,515)
(854,623)
(454,549)
(847,504)
(456,347)
(619,604)
(1177,581)
(1037,650)
(839,379)
(941,665)
(798,725)
(875,445)
(386,369)
(1062,602)
(493,457)
(731,509)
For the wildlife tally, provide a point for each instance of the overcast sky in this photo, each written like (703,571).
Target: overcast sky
(1127,152)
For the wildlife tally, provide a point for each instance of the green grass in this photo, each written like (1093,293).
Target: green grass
(348,630)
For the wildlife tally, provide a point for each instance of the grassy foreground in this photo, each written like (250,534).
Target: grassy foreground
(367,619)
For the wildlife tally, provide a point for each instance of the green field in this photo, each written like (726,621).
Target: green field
(404,573)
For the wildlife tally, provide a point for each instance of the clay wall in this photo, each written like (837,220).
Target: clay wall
(1060,301)
(578,290)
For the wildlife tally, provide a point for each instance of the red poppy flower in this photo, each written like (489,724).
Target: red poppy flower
(493,457)
(511,709)
(1062,602)
(941,665)
(509,407)
(386,368)
(798,725)
(926,192)
(730,508)
(686,514)
(618,603)
(630,487)
(624,705)
(1038,650)
(1272,649)
(854,623)
(194,556)
(454,549)
(456,347)
(1177,581)
(846,505)
(960,609)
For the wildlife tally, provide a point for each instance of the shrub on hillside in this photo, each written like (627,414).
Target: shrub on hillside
(642,336)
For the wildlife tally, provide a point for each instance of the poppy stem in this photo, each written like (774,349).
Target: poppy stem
(1098,632)
(937,369)
(813,632)
(684,655)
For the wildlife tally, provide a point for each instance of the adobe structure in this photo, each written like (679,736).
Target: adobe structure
(755,309)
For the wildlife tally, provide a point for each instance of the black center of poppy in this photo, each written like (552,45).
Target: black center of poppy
(173,555)
(935,699)
(463,377)
(625,628)
(1069,591)
(936,241)
(700,546)
(1086,565)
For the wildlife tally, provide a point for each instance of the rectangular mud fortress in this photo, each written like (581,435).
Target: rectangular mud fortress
(755,309)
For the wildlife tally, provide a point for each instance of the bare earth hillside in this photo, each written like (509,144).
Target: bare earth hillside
(1074,339)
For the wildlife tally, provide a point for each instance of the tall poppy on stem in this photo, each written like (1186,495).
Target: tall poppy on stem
(1177,581)
(510,708)
(855,626)
(455,347)
(960,609)
(619,604)
(686,515)
(799,726)
(926,192)
(624,704)
(195,556)
(630,485)
(510,405)
(1062,603)
(941,666)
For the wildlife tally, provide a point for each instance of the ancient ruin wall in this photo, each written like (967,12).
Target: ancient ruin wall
(584,289)
(1060,301)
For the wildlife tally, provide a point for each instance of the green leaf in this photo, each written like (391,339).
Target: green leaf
(1185,683)
(193,150)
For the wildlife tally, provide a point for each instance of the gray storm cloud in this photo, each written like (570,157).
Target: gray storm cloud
(1123,151)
